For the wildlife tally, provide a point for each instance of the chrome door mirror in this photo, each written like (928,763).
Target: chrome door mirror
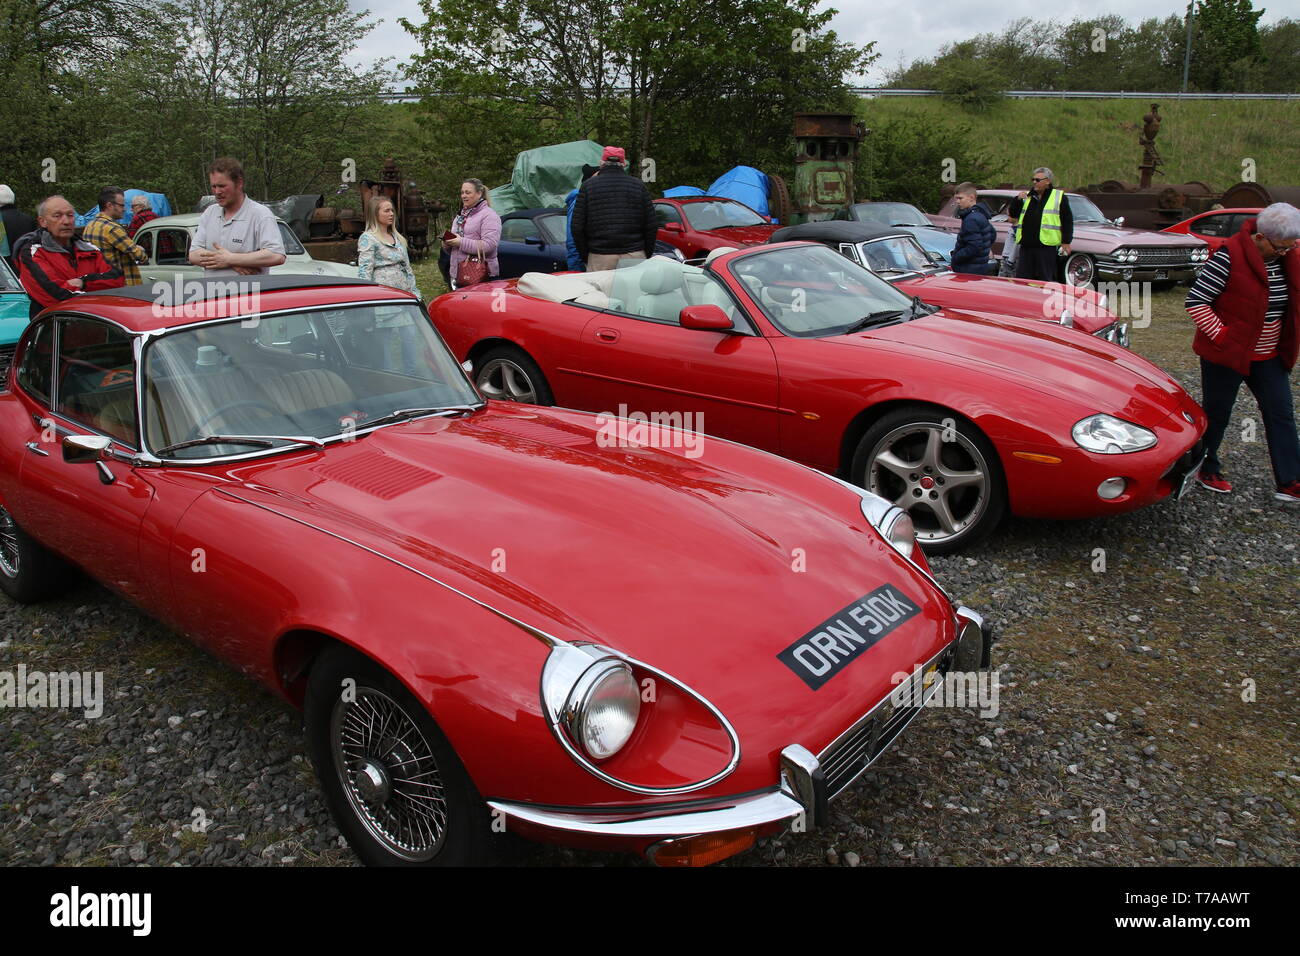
(1119,220)
(89,449)
(85,449)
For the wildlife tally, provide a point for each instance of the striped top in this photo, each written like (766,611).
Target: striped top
(1209,285)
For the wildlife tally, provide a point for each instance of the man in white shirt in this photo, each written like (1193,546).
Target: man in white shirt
(236,235)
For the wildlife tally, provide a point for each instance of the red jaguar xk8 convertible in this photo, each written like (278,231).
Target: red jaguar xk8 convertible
(493,615)
(956,417)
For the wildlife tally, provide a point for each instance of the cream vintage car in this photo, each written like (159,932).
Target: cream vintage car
(167,240)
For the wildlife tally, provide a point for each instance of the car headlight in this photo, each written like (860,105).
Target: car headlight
(593,696)
(893,523)
(1108,435)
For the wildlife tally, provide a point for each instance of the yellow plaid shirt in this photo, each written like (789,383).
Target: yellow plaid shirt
(112,240)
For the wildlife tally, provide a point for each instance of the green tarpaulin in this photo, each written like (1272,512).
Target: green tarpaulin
(542,177)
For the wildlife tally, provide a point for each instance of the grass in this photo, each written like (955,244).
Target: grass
(1088,141)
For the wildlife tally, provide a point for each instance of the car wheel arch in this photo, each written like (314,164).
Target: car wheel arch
(483,346)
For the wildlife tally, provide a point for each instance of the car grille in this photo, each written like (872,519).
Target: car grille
(1162,257)
(6,359)
(857,749)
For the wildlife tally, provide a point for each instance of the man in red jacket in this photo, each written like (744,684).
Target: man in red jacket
(1246,306)
(54,265)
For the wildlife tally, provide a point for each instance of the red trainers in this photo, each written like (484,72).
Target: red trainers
(1289,493)
(1214,482)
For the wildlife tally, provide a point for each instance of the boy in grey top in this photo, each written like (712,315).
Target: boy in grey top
(236,235)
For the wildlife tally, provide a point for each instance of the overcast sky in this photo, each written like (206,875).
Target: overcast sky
(905,31)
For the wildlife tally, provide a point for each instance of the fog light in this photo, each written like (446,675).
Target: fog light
(1111,488)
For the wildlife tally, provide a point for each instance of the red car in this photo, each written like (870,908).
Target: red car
(898,258)
(957,417)
(699,224)
(493,615)
(1216,226)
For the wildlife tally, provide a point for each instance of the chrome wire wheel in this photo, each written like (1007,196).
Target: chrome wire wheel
(9,559)
(389,775)
(505,380)
(943,485)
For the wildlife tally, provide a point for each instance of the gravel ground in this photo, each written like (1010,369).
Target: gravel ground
(1126,731)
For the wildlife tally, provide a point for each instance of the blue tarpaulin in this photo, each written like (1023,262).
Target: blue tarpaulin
(160,205)
(677,192)
(743,184)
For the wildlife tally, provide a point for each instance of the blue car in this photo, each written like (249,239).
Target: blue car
(532,240)
(15,308)
(906,218)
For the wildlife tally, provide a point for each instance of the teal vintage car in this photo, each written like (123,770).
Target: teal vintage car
(15,308)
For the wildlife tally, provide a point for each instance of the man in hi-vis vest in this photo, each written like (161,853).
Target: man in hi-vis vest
(1046,227)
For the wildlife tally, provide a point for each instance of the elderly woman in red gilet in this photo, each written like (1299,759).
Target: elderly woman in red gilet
(1246,305)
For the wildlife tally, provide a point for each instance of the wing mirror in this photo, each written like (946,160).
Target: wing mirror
(1119,220)
(535,241)
(704,318)
(673,227)
(87,449)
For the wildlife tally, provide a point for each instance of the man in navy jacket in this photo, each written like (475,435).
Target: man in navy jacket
(971,254)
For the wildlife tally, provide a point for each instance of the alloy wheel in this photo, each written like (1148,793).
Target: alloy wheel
(504,380)
(936,474)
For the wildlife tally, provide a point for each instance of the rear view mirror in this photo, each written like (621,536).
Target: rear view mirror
(704,318)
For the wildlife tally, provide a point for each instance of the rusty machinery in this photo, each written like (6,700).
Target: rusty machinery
(332,231)
(1147,205)
(826,146)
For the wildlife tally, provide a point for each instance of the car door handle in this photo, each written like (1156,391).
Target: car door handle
(607,335)
(36,449)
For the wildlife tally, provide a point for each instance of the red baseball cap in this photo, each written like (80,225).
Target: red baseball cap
(613,152)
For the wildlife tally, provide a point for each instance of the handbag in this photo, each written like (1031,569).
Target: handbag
(471,270)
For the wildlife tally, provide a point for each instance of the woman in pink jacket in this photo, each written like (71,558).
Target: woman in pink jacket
(477,229)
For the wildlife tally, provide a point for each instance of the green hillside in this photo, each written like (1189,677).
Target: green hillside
(1087,141)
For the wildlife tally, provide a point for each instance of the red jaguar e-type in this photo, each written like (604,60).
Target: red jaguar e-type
(495,616)
(956,417)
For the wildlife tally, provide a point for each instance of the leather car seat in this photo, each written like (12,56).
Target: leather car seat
(307,389)
(661,296)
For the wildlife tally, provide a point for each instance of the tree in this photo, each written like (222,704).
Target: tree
(689,84)
(1226,43)
(902,157)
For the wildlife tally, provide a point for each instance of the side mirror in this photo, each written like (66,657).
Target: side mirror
(704,318)
(85,449)
(1119,220)
(673,227)
(89,449)
(535,241)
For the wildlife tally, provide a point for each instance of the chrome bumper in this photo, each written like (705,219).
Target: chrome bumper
(803,790)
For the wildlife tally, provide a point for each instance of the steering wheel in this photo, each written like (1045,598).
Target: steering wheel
(196,431)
